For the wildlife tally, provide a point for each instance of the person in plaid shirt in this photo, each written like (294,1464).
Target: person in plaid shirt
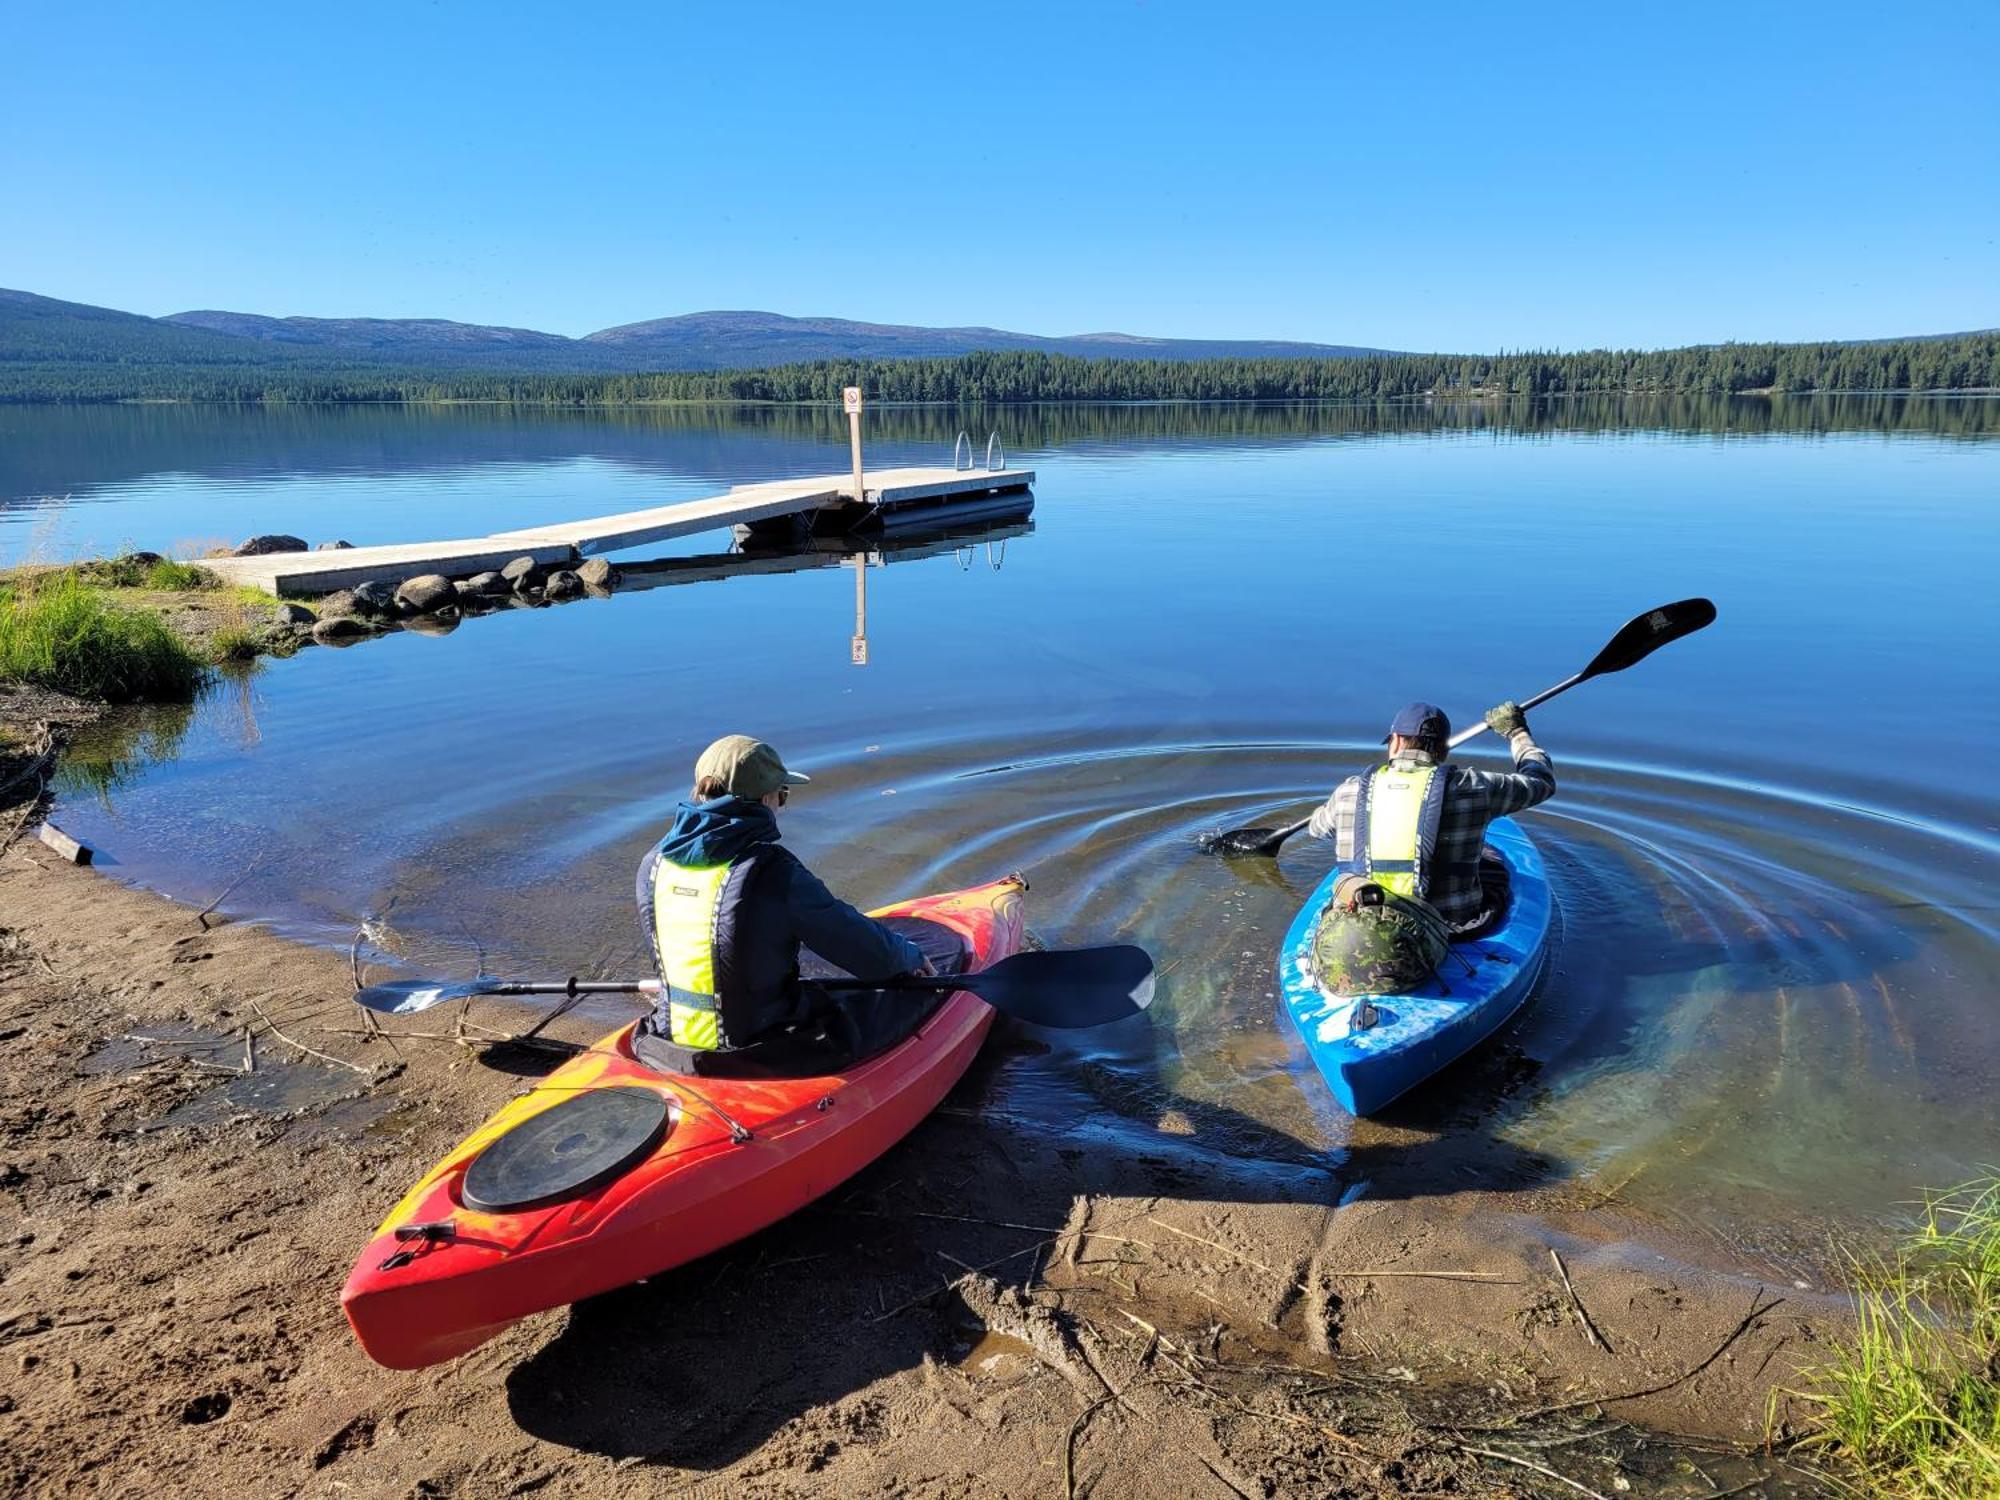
(1452,882)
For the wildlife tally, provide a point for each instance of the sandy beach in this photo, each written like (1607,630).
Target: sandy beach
(984,1311)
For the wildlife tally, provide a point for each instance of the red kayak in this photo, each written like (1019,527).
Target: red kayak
(608,1172)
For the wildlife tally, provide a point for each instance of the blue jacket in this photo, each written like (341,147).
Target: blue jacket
(771,904)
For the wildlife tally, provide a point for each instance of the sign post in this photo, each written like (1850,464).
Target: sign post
(858,646)
(850,401)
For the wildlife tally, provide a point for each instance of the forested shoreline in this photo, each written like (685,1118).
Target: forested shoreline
(1966,362)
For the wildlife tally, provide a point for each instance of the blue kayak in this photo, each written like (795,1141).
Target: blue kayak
(1480,985)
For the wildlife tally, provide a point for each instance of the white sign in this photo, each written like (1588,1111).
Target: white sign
(850,400)
(858,646)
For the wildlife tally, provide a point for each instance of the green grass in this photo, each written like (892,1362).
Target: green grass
(238,642)
(1912,1404)
(165,575)
(168,574)
(57,632)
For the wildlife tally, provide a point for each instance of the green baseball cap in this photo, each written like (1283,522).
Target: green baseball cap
(748,768)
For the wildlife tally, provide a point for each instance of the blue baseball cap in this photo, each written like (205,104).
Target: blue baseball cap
(1420,721)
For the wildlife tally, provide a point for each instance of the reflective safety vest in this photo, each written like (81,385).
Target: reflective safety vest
(1397,810)
(686,902)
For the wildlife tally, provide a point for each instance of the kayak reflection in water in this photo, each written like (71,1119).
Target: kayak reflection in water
(727,909)
(1409,836)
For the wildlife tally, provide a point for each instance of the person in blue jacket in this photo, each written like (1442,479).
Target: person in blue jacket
(727,909)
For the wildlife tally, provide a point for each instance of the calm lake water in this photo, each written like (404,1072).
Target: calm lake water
(1774,847)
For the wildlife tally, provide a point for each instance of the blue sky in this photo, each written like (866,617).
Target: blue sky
(1443,176)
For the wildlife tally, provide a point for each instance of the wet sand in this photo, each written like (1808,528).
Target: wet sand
(987,1310)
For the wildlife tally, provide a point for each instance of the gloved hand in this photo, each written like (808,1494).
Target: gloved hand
(1506,720)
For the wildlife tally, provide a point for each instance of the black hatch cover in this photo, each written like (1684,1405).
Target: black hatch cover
(570,1149)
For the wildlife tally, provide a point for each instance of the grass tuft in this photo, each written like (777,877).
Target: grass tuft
(1913,1403)
(164,575)
(179,576)
(237,642)
(56,632)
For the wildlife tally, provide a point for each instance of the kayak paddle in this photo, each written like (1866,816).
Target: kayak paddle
(1636,640)
(1074,988)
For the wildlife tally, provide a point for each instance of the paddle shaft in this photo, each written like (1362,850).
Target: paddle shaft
(1454,742)
(1637,639)
(573,989)
(652,986)
(1526,703)
(1077,987)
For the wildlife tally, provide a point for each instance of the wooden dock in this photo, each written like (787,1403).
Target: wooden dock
(889,498)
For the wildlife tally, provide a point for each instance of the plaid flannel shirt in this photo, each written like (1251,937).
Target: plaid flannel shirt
(1472,799)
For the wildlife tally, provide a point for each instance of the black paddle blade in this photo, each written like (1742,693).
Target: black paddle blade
(1244,841)
(405,997)
(1071,988)
(1638,639)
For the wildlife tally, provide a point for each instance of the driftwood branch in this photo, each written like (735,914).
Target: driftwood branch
(1542,1469)
(1493,1277)
(1069,1443)
(1212,1244)
(202,916)
(1756,1311)
(338,1062)
(1583,1313)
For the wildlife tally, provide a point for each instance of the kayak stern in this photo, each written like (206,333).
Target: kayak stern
(1415,1034)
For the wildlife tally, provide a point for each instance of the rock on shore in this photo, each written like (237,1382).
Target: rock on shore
(522,574)
(375,597)
(339,630)
(426,593)
(277,541)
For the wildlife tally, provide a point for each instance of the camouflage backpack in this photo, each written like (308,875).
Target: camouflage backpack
(1372,941)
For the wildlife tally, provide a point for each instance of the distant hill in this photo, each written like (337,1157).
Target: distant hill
(40,329)
(749,340)
(397,338)
(69,351)
(34,328)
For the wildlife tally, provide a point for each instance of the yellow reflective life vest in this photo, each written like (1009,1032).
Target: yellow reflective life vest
(1397,810)
(686,900)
